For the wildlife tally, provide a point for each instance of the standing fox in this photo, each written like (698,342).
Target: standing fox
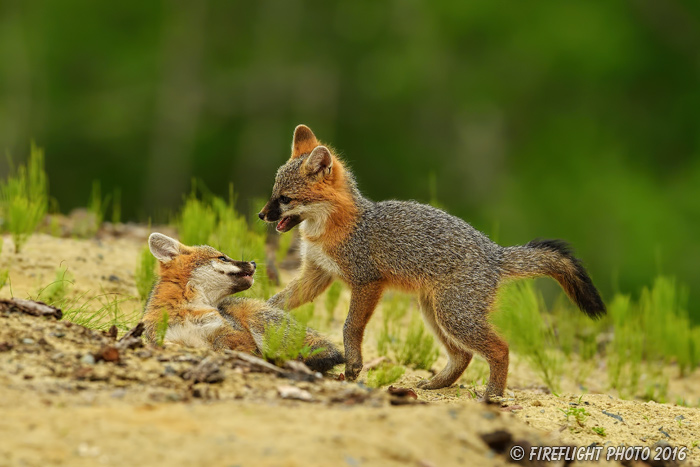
(455,269)
(193,281)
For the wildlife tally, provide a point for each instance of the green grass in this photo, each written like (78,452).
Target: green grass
(639,339)
(4,272)
(384,375)
(667,329)
(650,335)
(197,221)
(206,219)
(162,328)
(145,274)
(24,198)
(599,430)
(89,225)
(284,340)
(418,348)
(394,310)
(578,413)
(56,292)
(625,352)
(408,343)
(96,312)
(97,206)
(4,277)
(520,316)
(100,312)
(332,299)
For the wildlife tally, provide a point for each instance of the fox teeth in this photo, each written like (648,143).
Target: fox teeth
(282,224)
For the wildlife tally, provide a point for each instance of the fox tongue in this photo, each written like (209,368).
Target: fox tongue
(282,224)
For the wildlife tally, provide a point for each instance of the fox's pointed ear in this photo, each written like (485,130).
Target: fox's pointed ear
(319,161)
(304,141)
(163,247)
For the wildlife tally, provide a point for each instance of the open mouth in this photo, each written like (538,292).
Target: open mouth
(288,223)
(245,274)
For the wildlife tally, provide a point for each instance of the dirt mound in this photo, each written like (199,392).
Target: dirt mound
(75,396)
(85,387)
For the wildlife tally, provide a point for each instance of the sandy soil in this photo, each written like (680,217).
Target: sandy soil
(60,404)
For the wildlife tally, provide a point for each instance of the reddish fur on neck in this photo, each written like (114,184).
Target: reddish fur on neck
(335,190)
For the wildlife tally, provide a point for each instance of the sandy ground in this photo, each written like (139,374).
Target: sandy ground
(59,405)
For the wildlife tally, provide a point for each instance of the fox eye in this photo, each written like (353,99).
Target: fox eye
(285,199)
(223,258)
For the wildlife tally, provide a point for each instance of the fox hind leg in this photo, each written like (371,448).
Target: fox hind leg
(462,314)
(458,358)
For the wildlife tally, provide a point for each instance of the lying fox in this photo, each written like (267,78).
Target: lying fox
(192,288)
(455,269)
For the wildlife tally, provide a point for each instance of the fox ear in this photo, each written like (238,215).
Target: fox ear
(163,247)
(319,161)
(304,141)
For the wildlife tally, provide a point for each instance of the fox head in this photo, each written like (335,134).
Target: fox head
(204,273)
(312,186)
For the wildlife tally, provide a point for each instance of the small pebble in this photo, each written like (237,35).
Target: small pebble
(88,359)
(28,341)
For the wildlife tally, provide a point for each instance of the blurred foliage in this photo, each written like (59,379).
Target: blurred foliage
(642,340)
(207,219)
(24,198)
(145,274)
(576,120)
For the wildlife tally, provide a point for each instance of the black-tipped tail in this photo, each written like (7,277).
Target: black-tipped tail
(555,258)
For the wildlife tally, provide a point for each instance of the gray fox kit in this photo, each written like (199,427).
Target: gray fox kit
(192,288)
(455,269)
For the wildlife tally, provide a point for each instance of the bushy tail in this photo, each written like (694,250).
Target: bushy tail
(325,355)
(554,258)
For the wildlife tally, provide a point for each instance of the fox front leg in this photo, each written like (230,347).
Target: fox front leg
(363,301)
(309,284)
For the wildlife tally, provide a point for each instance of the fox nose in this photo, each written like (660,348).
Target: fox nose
(253,263)
(261,216)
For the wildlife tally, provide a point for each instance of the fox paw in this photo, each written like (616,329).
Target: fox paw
(431,383)
(427,384)
(352,371)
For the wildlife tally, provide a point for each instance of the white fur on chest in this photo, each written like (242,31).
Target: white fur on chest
(314,253)
(195,334)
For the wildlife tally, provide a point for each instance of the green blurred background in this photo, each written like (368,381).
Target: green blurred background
(578,120)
